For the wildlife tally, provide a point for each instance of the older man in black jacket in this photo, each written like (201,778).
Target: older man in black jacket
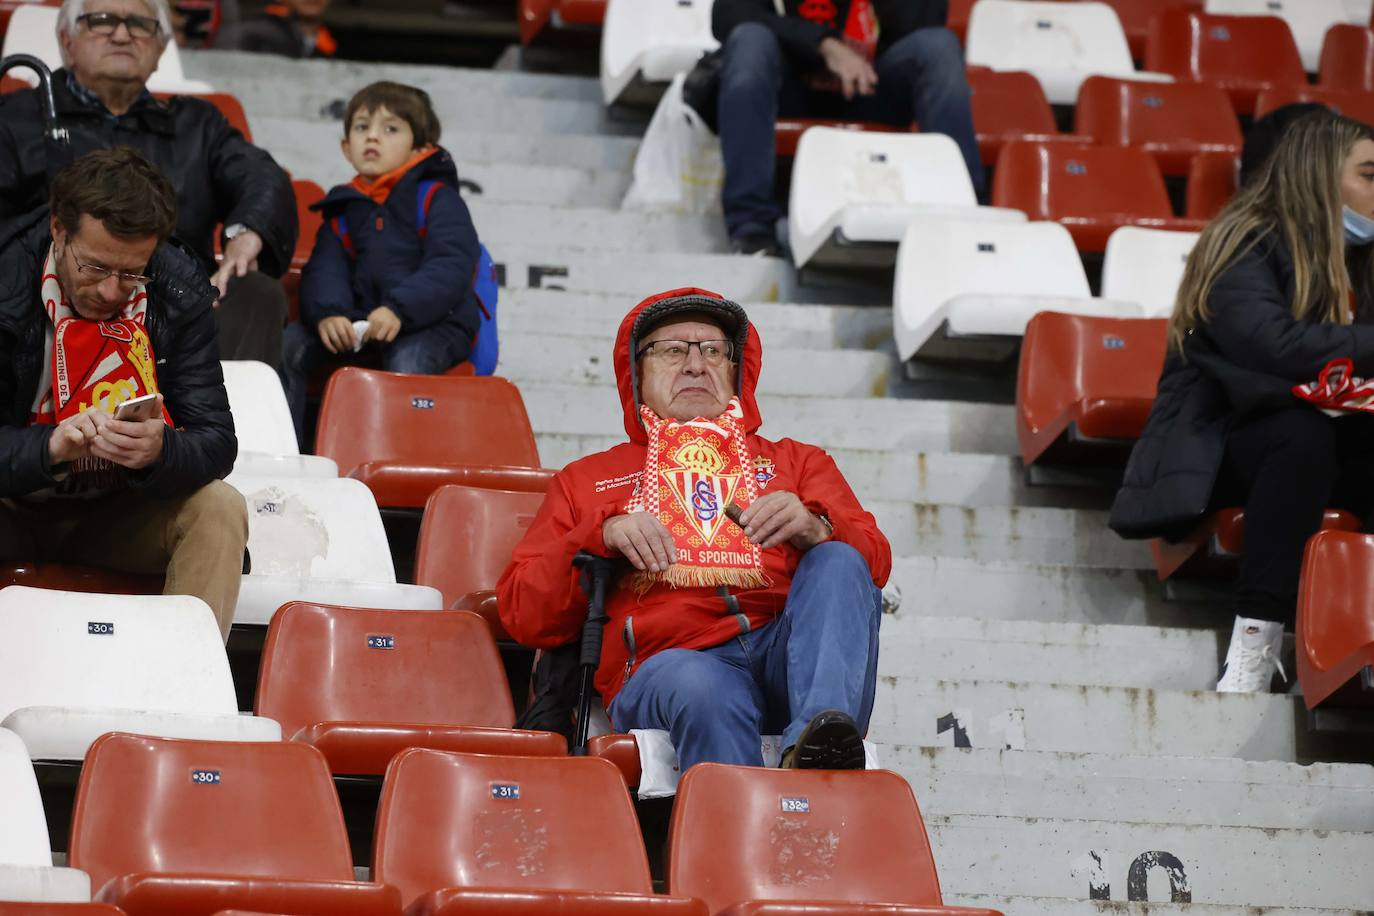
(96,308)
(890,61)
(222,181)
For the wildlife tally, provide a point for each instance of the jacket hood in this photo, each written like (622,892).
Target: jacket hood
(438,166)
(626,378)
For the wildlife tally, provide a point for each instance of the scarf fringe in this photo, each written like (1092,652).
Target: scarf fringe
(680,576)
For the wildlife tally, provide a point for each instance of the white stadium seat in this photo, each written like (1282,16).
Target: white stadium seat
(262,422)
(965,290)
(1358,11)
(75,665)
(315,539)
(33,30)
(1062,44)
(1307,19)
(26,869)
(654,40)
(855,192)
(1146,266)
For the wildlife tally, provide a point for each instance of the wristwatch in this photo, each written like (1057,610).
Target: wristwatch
(829,528)
(232,232)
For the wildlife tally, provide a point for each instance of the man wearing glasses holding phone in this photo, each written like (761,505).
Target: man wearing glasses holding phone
(223,182)
(751,602)
(98,309)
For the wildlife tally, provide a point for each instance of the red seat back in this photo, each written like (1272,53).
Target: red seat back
(956,17)
(1135,16)
(744,833)
(467,537)
(1335,629)
(533,16)
(1353,103)
(1077,368)
(1348,58)
(1213,179)
(1171,121)
(307,195)
(582,12)
(464,820)
(373,416)
(323,663)
(1242,54)
(1008,105)
(166,805)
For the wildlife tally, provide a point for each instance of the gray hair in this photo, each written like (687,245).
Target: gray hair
(73,10)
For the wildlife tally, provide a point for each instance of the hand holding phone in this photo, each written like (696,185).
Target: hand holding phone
(141,408)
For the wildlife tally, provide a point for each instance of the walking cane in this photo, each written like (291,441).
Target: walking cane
(52,132)
(596,577)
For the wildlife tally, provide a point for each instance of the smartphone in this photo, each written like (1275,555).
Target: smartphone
(140,408)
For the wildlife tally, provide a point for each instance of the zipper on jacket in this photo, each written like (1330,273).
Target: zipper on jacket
(628,634)
(732,606)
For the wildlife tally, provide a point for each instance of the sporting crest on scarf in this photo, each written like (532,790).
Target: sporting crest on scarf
(1338,390)
(693,471)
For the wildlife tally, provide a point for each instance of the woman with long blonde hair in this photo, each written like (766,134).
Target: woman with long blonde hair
(1280,284)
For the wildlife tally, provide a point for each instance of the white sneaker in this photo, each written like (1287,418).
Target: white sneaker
(1253,657)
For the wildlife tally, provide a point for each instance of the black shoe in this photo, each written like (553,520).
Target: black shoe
(831,741)
(763,246)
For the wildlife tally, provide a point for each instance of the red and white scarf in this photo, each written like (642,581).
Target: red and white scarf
(693,471)
(1338,390)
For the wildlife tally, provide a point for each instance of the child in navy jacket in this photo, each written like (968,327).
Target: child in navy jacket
(393,264)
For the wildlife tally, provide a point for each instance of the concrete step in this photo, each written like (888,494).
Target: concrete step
(1226,866)
(886,424)
(550,186)
(242,74)
(1072,718)
(959,648)
(1192,791)
(551,358)
(580,314)
(502,224)
(1059,906)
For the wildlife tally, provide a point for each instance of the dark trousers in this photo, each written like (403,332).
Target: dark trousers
(1287,468)
(427,352)
(250,317)
(920,78)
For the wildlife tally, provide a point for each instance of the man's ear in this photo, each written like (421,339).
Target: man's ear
(59,234)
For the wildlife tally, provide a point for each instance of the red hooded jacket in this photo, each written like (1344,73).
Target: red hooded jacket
(542,604)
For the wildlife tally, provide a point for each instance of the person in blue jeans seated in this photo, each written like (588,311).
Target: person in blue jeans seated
(727,625)
(393,264)
(889,61)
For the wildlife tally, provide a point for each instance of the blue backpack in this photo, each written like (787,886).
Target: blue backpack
(485,347)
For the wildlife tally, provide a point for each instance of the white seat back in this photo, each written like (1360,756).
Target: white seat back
(1358,11)
(158,653)
(23,828)
(1307,19)
(262,419)
(33,30)
(310,527)
(1146,266)
(659,38)
(940,261)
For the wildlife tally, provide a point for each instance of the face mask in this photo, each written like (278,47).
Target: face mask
(1359,229)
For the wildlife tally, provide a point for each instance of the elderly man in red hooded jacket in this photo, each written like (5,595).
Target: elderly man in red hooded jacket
(722,630)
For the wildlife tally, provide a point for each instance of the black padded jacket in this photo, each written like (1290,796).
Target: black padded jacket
(219,177)
(181,329)
(801,31)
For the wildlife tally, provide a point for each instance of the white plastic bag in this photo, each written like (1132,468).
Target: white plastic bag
(678,167)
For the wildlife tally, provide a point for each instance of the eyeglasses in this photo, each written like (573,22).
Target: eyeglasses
(107,24)
(674,353)
(99,274)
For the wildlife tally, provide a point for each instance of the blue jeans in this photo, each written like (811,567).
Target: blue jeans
(427,352)
(820,653)
(920,78)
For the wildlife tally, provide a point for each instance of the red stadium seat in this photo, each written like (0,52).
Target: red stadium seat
(1091,190)
(956,17)
(466,540)
(621,750)
(229,106)
(582,12)
(70,578)
(462,833)
(1212,548)
(58,909)
(1085,385)
(1243,54)
(741,835)
(407,435)
(164,826)
(1010,105)
(1335,631)
(310,221)
(363,685)
(1212,181)
(1354,103)
(1135,16)
(1171,121)
(787,133)
(537,15)
(1348,58)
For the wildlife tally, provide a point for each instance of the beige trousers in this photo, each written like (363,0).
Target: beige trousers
(196,540)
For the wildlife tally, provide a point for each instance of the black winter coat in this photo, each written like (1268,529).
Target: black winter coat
(801,36)
(219,177)
(426,282)
(181,329)
(269,33)
(1243,362)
